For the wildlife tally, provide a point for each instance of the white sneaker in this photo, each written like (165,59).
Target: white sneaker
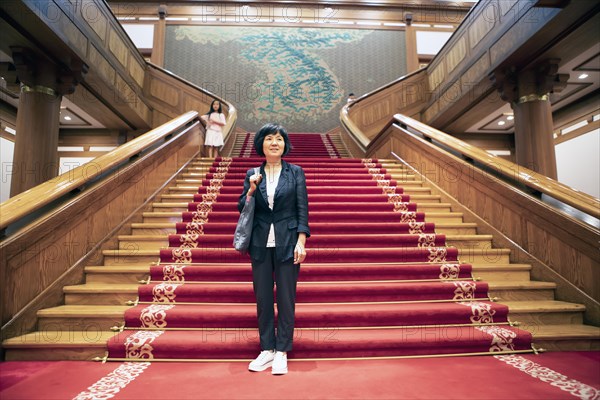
(280,364)
(263,361)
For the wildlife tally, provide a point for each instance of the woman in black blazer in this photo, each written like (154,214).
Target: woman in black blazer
(277,245)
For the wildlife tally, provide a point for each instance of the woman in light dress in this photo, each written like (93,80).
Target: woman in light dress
(215,120)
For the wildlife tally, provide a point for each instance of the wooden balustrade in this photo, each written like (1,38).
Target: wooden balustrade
(50,252)
(560,247)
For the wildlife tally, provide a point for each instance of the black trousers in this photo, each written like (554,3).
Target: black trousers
(286,277)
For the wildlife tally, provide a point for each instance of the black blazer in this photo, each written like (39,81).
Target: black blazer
(289,214)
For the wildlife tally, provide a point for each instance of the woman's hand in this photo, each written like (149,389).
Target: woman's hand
(254,182)
(300,250)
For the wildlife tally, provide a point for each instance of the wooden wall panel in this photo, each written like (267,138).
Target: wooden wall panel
(52,252)
(559,248)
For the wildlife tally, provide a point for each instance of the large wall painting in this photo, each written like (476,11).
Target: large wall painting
(298,77)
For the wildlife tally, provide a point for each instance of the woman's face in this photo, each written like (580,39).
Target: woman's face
(274,145)
(216,106)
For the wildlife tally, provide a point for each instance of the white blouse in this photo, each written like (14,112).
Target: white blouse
(272,182)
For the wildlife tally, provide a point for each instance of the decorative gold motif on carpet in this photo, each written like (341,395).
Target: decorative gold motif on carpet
(164,292)
(139,344)
(389,190)
(200,217)
(437,254)
(426,240)
(212,197)
(194,228)
(401,206)
(408,216)
(189,241)
(181,255)
(155,315)
(204,207)
(502,338)
(482,313)
(464,290)
(415,227)
(113,383)
(174,273)
(395,198)
(449,271)
(554,378)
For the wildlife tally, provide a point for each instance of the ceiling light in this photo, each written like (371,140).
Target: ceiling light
(422,25)
(346,22)
(67,118)
(367,23)
(443,26)
(501,123)
(176,19)
(394,24)
(149,18)
(70,148)
(510,117)
(583,76)
(10,130)
(204,19)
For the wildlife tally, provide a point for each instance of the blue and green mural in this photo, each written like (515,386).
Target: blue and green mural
(298,77)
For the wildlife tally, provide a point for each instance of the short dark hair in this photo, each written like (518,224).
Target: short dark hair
(350,94)
(271,129)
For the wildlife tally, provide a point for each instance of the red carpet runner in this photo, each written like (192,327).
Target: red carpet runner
(377,282)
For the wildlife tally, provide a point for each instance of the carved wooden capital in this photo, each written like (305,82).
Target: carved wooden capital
(532,84)
(34,71)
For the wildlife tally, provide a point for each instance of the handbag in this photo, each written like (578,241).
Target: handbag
(243,230)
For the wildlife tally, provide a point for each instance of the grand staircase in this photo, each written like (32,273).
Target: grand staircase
(391,271)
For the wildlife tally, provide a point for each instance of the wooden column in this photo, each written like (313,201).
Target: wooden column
(412,56)
(158,45)
(528,92)
(35,158)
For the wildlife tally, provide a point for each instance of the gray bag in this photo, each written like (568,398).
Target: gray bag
(243,230)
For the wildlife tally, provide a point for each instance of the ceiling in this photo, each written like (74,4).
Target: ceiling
(582,65)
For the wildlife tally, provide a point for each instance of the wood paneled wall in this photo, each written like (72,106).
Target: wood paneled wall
(560,248)
(407,96)
(50,253)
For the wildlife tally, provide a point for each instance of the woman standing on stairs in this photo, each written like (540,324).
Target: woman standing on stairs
(215,121)
(277,245)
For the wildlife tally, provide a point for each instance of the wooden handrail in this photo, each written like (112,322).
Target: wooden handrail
(579,200)
(33,199)
(355,131)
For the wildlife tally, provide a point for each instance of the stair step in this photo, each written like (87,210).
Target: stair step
(532,313)
(81,317)
(502,272)
(566,337)
(522,290)
(57,345)
(100,294)
(169,228)
(149,242)
(435,217)
(183,206)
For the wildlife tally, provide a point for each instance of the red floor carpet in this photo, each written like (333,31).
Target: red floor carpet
(568,375)
(378,281)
